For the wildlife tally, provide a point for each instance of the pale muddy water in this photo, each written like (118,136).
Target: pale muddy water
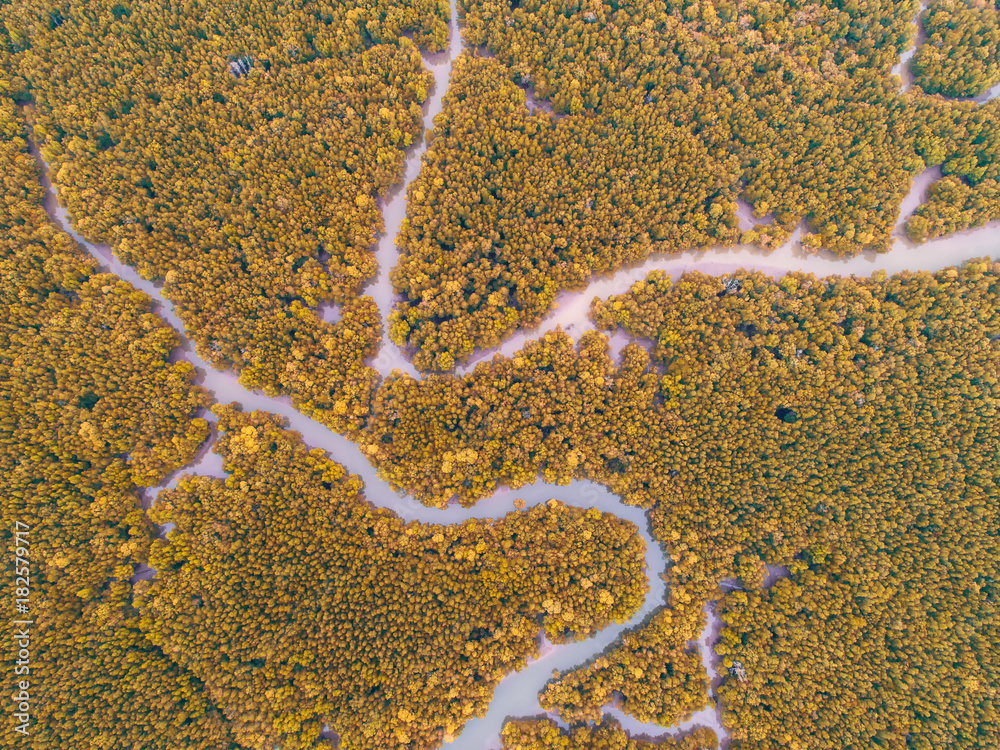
(517,694)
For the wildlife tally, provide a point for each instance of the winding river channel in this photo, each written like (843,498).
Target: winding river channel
(517,695)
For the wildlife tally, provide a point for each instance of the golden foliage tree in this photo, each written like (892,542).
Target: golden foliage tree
(662,115)
(960,55)
(90,407)
(235,152)
(767,421)
(299,604)
(543,734)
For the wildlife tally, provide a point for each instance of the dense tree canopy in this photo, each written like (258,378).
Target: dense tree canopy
(961,56)
(235,151)
(952,205)
(846,428)
(515,207)
(300,604)
(553,410)
(901,659)
(90,407)
(769,421)
(664,113)
(543,734)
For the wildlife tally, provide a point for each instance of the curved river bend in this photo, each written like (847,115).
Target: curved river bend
(517,694)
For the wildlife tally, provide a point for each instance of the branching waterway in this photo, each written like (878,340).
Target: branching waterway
(517,695)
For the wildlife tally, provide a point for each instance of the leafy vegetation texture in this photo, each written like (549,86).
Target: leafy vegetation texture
(90,407)
(859,441)
(960,56)
(801,419)
(907,661)
(396,634)
(846,428)
(553,410)
(300,604)
(662,115)
(513,207)
(542,734)
(235,151)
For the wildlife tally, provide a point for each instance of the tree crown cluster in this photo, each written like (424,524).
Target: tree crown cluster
(799,419)
(663,116)
(91,406)
(251,194)
(961,56)
(545,734)
(300,605)
(846,428)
